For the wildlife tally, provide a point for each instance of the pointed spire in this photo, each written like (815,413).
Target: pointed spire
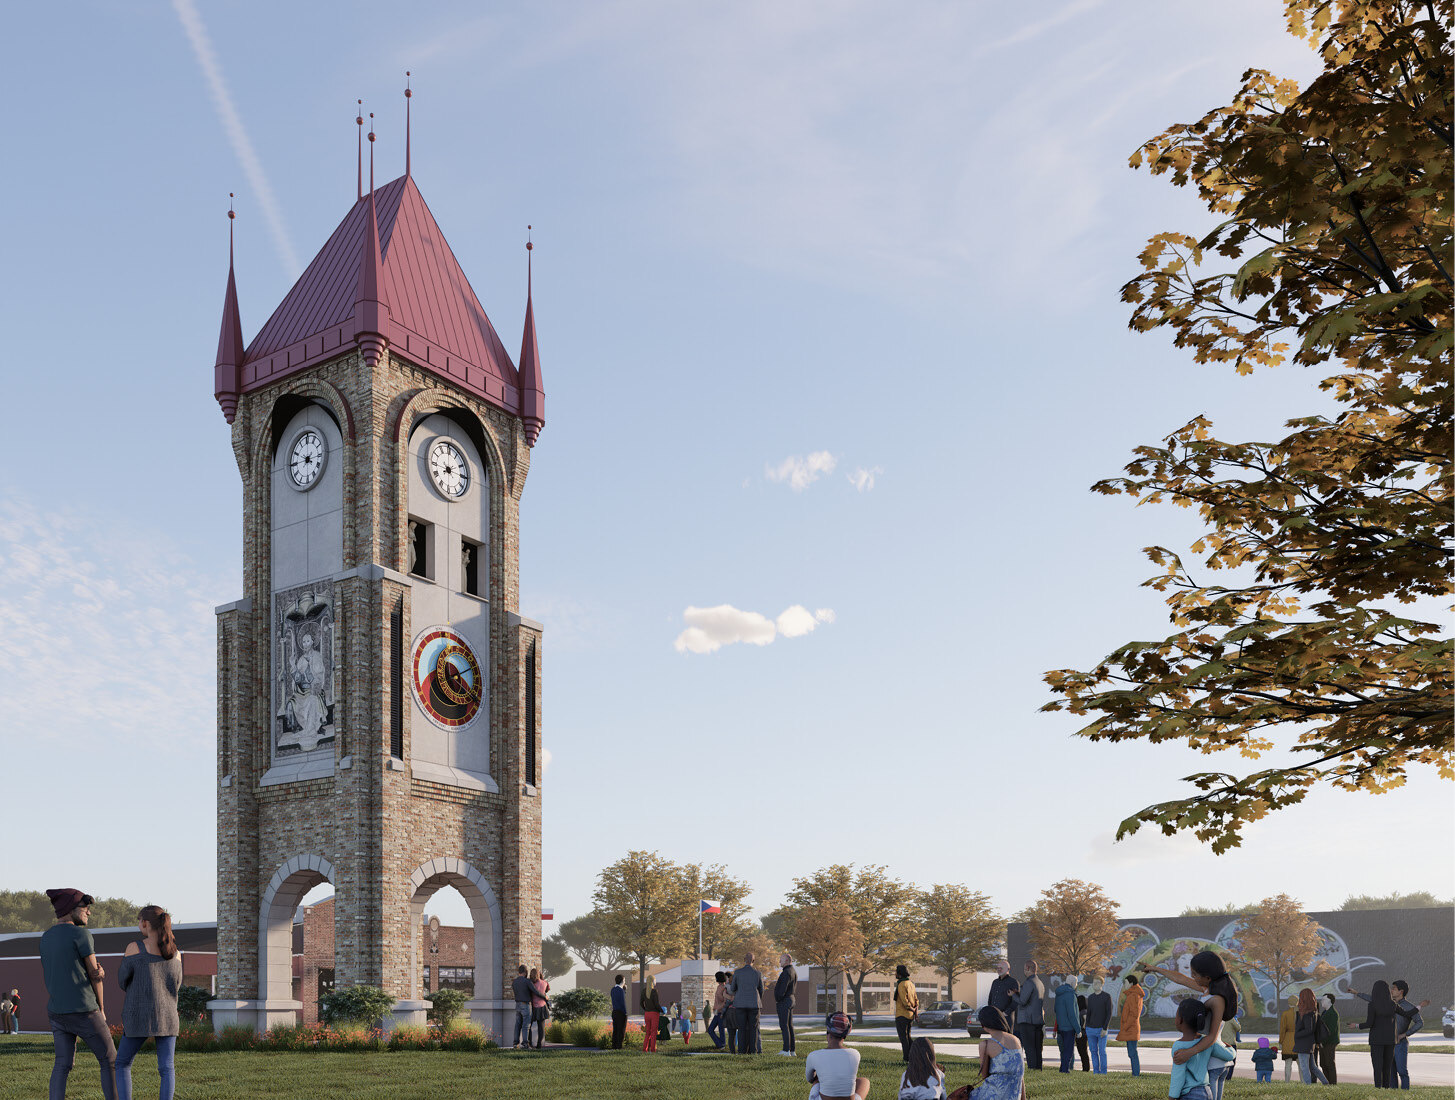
(532,394)
(370,309)
(408,95)
(227,373)
(360,122)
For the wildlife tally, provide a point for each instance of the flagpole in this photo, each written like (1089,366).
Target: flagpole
(699,929)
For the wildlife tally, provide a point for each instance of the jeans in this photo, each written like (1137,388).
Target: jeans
(1308,1070)
(785,1025)
(618,1028)
(522,1023)
(1401,1064)
(91,1029)
(1197,1092)
(166,1065)
(1096,1040)
(1132,1057)
(747,1030)
(1066,1040)
(1262,1074)
(901,1026)
(1216,1079)
(650,1022)
(717,1030)
(1381,1056)
(1326,1062)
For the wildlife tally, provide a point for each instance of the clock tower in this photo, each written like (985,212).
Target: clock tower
(378,692)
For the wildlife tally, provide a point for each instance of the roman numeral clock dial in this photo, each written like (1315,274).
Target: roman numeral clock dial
(448,469)
(306,458)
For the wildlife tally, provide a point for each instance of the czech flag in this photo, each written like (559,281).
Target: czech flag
(710,907)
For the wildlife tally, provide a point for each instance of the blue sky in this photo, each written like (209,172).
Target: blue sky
(827,297)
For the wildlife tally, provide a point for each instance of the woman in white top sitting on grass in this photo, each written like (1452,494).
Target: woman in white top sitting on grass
(834,1071)
(923,1079)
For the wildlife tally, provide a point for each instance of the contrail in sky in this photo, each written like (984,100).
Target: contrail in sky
(242,146)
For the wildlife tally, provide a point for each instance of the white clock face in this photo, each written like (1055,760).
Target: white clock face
(306,458)
(448,469)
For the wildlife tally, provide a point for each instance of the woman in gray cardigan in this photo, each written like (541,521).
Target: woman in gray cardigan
(150,975)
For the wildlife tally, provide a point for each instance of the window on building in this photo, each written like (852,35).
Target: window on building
(325,982)
(419,539)
(425,983)
(530,717)
(396,682)
(470,554)
(457,977)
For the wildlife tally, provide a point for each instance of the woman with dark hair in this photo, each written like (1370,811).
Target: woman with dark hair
(1129,1023)
(1209,977)
(1305,1039)
(1002,1061)
(150,975)
(1379,1022)
(906,1007)
(924,1079)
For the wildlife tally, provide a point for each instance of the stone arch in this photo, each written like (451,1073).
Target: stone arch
(275,932)
(426,880)
(302,392)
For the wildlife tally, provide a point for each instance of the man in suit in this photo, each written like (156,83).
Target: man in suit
(1030,1024)
(747,1001)
(1002,992)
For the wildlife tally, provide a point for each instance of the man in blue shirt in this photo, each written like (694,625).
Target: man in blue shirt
(73,981)
(618,1012)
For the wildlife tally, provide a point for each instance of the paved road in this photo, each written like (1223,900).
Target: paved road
(1354,1067)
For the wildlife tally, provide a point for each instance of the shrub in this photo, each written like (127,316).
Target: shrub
(580,1004)
(235,1037)
(196,1035)
(412,1038)
(358,1004)
(285,1037)
(350,1039)
(192,1002)
(445,1005)
(463,1038)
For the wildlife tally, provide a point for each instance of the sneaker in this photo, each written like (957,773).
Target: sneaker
(786,1053)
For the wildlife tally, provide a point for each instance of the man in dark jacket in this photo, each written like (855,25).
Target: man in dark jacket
(1068,1022)
(618,1012)
(73,982)
(1002,992)
(522,990)
(783,1002)
(1030,1024)
(747,1002)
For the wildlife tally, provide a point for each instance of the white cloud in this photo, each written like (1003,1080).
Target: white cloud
(546,759)
(237,135)
(104,633)
(802,472)
(863,478)
(711,628)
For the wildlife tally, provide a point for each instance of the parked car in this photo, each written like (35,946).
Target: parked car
(950,1014)
(1447,1023)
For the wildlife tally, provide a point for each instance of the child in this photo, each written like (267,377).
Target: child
(1263,1060)
(685,1022)
(1189,1080)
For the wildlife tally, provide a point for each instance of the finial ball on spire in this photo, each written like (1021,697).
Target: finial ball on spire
(230,212)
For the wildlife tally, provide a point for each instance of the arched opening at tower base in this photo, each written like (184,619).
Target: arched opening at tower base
(487,1008)
(275,1004)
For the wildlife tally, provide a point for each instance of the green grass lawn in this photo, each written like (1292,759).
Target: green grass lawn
(559,1074)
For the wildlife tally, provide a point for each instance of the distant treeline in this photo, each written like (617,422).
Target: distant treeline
(30,911)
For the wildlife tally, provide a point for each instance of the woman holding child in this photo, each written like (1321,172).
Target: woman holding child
(1210,978)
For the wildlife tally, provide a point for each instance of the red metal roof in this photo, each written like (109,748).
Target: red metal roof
(433,317)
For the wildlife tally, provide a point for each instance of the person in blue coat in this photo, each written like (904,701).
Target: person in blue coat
(1068,1020)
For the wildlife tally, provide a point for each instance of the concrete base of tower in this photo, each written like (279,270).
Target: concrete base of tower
(406,1014)
(495,1017)
(260,1016)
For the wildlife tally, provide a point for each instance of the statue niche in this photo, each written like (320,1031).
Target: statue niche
(303,710)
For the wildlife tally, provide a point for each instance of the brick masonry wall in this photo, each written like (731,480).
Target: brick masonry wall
(374,824)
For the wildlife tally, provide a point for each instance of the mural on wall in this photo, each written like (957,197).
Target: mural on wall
(1255,992)
(446,676)
(303,692)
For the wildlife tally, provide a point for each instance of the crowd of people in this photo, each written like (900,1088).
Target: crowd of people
(1013,1022)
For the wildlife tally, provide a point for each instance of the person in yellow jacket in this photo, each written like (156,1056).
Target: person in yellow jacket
(1129,1023)
(1285,1038)
(906,1007)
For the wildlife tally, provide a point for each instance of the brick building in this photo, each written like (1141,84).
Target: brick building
(378,696)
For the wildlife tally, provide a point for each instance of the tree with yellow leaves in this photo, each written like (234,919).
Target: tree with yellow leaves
(1279,941)
(1335,207)
(824,935)
(1073,928)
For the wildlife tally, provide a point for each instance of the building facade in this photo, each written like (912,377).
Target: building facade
(379,696)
